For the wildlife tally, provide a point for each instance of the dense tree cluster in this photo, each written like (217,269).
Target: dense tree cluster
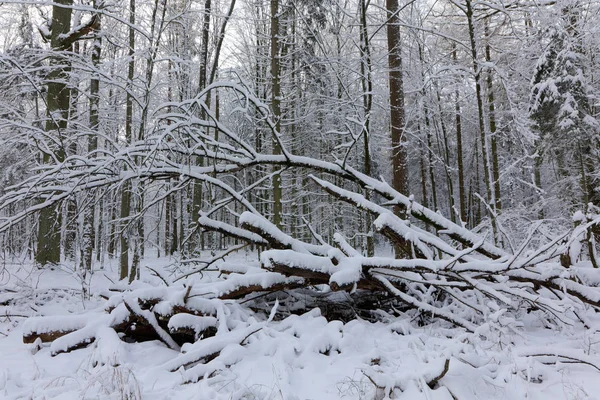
(124,125)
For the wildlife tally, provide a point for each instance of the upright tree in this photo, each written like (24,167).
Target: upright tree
(126,197)
(561,110)
(276,107)
(58,102)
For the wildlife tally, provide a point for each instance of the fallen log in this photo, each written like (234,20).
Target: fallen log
(146,320)
(50,329)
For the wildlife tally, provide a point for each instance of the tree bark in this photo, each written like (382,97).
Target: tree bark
(89,236)
(459,152)
(126,189)
(367,87)
(480,112)
(492,122)
(396,83)
(276,107)
(397,118)
(58,102)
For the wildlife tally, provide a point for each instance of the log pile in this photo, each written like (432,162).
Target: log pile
(141,315)
(453,275)
(443,274)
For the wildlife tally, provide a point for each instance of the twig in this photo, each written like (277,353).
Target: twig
(433,383)
(158,275)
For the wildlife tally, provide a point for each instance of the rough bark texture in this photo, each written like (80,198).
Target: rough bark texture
(397,120)
(58,102)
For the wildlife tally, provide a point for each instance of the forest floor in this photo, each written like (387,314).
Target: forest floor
(295,357)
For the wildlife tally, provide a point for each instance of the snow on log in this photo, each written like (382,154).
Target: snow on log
(348,274)
(48,329)
(238,285)
(279,260)
(147,319)
(83,336)
(190,325)
(77,339)
(209,348)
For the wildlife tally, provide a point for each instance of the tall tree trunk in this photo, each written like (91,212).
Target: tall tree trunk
(428,133)
(367,87)
(396,84)
(397,119)
(425,200)
(459,152)
(431,164)
(480,114)
(276,108)
(126,189)
(492,123)
(58,102)
(197,187)
(89,236)
(219,44)
(447,157)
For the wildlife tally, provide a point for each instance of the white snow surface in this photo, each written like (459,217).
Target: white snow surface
(295,357)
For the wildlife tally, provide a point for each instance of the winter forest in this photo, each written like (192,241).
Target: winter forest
(299,199)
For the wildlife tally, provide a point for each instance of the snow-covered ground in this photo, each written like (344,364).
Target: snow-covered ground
(297,357)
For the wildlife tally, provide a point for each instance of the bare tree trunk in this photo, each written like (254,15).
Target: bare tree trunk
(422,157)
(276,108)
(397,119)
(459,153)
(447,157)
(430,164)
(197,186)
(492,123)
(399,139)
(480,114)
(126,189)
(58,102)
(219,45)
(428,132)
(367,87)
(89,236)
